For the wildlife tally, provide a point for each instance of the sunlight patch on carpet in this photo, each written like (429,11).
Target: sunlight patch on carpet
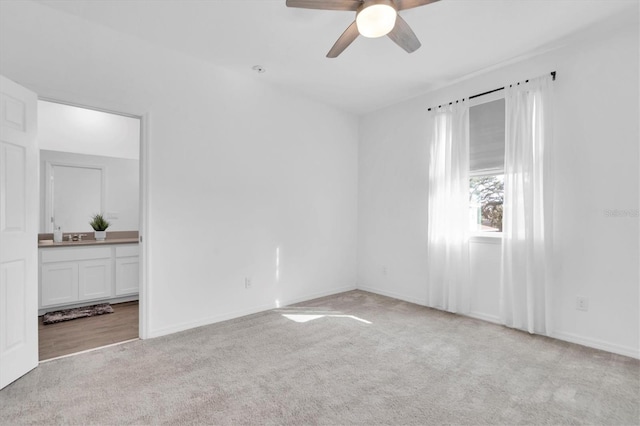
(310,317)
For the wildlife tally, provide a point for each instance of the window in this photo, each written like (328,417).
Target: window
(486,165)
(486,198)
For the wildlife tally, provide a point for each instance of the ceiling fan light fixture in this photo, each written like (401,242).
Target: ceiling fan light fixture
(376,20)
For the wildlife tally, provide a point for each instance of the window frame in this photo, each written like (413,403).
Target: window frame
(480,236)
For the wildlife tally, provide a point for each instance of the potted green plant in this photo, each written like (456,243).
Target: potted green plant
(99,225)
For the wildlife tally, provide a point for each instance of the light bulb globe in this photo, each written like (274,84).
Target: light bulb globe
(376,20)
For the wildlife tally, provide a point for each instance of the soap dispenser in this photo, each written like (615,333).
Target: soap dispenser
(57,235)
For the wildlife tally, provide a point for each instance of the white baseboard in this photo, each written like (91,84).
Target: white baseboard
(477,315)
(317,295)
(567,337)
(243,312)
(393,295)
(175,328)
(484,317)
(597,344)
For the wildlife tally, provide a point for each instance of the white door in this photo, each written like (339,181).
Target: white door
(18,232)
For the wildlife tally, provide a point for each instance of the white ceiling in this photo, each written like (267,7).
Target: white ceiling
(459,38)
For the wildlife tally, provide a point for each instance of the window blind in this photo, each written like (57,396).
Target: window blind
(486,136)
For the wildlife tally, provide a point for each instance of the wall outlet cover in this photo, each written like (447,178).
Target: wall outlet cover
(582,303)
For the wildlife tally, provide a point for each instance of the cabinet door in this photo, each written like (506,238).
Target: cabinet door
(127,275)
(94,279)
(59,283)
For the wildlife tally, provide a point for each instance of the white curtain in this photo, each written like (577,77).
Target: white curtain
(448,221)
(526,246)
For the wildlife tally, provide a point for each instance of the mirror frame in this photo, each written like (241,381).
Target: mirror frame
(49,165)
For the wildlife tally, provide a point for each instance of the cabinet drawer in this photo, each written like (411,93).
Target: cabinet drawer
(71,254)
(127,251)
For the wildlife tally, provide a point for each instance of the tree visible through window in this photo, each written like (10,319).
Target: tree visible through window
(486,199)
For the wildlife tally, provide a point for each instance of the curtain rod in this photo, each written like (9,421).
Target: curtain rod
(553,77)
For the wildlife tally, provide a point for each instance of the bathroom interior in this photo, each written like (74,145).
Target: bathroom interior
(88,286)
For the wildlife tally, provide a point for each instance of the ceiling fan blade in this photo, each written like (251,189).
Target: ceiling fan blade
(326,4)
(410,4)
(403,36)
(347,37)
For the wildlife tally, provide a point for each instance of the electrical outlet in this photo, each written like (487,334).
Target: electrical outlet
(247,282)
(582,303)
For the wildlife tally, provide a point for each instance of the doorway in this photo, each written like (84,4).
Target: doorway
(89,164)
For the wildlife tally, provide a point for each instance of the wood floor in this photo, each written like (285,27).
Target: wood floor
(80,334)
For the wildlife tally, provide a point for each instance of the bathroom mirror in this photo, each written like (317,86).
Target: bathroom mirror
(74,194)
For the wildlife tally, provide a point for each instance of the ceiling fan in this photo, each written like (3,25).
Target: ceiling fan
(374,18)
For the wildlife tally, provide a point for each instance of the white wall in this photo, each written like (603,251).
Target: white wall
(238,170)
(84,131)
(596,162)
(122,184)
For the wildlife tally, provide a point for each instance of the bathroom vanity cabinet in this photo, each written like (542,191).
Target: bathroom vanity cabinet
(73,276)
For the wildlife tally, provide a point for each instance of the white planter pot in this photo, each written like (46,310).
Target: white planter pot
(100,235)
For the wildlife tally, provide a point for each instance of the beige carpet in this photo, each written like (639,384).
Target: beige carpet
(354,358)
